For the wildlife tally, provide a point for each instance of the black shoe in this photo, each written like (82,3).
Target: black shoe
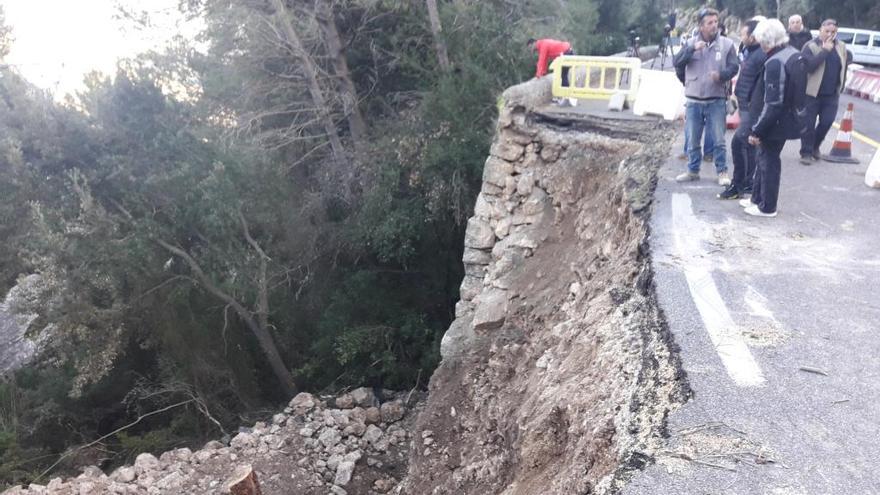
(746,190)
(806,160)
(732,192)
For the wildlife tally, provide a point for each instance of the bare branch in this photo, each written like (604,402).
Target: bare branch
(247,235)
(108,435)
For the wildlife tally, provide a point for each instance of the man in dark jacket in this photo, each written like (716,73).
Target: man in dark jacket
(709,62)
(826,60)
(797,35)
(744,155)
(778,103)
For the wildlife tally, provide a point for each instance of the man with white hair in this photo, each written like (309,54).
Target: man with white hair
(709,61)
(797,35)
(744,155)
(778,104)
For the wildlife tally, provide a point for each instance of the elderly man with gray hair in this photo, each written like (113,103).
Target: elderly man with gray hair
(797,35)
(778,103)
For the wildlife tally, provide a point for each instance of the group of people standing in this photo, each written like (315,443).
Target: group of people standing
(787,81)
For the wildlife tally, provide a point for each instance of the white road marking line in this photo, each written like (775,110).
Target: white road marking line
(689,233)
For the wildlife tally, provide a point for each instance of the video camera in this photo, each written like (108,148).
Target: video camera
(633,35)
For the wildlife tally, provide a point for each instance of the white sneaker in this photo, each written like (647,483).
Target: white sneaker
(687,177)
(563,102)
(755,212)
(723,179)
(745,203)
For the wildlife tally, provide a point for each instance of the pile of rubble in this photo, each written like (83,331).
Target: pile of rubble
(351,444)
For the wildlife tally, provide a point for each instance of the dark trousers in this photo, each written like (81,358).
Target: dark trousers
(765,191)
(825,108)
(744,154)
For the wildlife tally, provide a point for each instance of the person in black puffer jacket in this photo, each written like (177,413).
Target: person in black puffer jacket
(797,35)
(744,155)
(778,103)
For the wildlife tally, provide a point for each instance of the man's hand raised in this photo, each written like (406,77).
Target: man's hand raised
(828,44)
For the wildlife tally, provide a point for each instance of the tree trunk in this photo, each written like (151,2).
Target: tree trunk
(264,338)
(311,73)
(356,124)
(436,30)
(244,482)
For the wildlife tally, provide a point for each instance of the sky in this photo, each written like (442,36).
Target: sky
(58,41)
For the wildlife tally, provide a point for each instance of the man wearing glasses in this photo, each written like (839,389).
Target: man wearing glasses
(709,61)
(826,59)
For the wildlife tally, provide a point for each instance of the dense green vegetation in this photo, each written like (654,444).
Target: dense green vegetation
(281,211)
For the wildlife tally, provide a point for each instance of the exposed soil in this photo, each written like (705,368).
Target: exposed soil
(569,392)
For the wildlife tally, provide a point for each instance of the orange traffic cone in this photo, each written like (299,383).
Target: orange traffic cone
(841,150)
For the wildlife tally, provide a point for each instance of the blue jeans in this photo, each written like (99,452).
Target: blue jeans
(708,145)
(709,115)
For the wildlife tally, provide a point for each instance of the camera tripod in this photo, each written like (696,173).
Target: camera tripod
(633,50)
(662,51)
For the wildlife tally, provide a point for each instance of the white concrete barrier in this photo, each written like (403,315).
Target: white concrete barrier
(659,93)
(872,176)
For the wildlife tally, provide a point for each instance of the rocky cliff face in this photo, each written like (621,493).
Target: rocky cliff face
(557,374)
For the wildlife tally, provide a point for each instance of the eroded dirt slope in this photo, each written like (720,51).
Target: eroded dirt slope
(557,373)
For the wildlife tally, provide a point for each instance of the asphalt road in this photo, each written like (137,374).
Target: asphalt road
(777,320)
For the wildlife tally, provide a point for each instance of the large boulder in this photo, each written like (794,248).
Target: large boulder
(343,473)
(508,151)
(303,403)
(496,172)
(392,411)
(329,437)
(364,397)
(479,234)
(146,462)
(491,309)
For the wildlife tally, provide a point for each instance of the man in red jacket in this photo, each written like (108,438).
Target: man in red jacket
(549,49)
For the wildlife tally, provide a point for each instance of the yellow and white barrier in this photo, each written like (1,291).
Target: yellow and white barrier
(592,78)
